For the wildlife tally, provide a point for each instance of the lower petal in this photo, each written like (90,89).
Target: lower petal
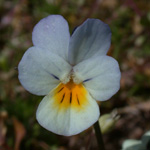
(68,110)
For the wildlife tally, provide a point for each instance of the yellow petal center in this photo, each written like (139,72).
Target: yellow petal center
(70,95)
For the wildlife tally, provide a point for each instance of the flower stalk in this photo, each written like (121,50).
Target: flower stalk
(98,134)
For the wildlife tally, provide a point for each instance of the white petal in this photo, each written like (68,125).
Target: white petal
(52,33)
(65,118)
(93,37)
(40,71)
(100,75)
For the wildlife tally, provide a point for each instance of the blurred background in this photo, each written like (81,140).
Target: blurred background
(129,21)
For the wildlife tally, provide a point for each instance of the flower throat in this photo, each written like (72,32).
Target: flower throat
(70,95)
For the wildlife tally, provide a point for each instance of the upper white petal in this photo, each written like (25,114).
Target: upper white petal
(40,71)
(69,121)
(91,38)
(52,33)
(100,75)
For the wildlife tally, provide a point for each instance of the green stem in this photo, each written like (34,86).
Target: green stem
(99,136)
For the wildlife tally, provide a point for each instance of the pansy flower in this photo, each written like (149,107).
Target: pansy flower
(72,71)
